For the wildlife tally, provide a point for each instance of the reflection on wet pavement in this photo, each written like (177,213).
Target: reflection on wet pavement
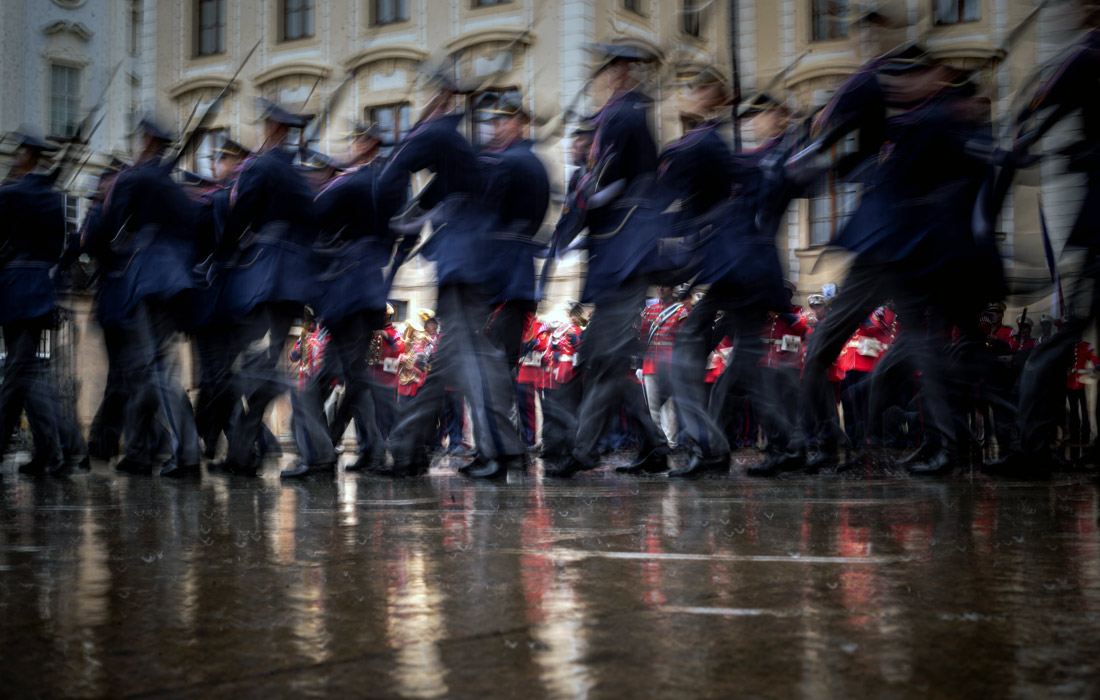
(600,587)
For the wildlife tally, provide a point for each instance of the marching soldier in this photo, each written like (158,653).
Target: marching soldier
(386,349)
(219,394)
(620,169)
(32,238)
(1082,373)
(911,235)
(264,256)
(857,361)
(146,249)
(466,358)
(354,245)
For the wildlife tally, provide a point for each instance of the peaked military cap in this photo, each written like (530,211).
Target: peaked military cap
(509,107)
(149,126)
(904,59)
(315,160)
(231,148)
(359,130)
(611,54)
(815,300)
(30,140)
(758,103)
(271,112)
(1046,318)
(997,306)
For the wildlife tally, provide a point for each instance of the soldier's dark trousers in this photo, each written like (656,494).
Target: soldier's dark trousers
(703,413)
(156,400)
(106,430)
(559,418)
(608,344)
(26,387)
(506,328)
(346,360)
(218,391)
(466,360)
(385,406)
(260,340)
(863,290)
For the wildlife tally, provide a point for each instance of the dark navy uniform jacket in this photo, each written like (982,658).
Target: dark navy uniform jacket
(918,203)
(145,244)
(32,236)
(517,192)
(458,243)
(622,236)
(265,248)
(354,244)
(718,202)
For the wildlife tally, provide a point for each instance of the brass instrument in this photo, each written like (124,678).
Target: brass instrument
(407,373)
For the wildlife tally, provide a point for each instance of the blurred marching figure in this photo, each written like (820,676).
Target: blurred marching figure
(263,260)
(146,250)
(354,244)
(219,394)
(467,279)
(623,228)
(386,347)
(517,194)
(32,238)
(105,433)
(1069,89)
(720,204)
(532,377)
(911,235)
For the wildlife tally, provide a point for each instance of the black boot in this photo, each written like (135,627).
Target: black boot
(700,466)
(567,468)
(939,464)
(496,468)
(174,470)
(776,463)
(653,462)
(304,470)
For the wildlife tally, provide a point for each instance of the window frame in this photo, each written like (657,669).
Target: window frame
(691,16)
(221,11)
(75,101)
(398,133)
(634,6)
(960,11)
(837,29)
(482,4)
(304,6)
(374,12)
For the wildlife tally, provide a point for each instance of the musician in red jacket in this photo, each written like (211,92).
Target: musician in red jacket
(1081,373)
(858,359)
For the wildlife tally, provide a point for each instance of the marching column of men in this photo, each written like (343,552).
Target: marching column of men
(234,264)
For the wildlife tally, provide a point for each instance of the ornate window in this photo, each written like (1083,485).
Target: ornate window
(395,120)
(956,11)
(64,99)
(297,19)
(209,27)
(634,6)
(830,19)
(389,11)
(489,3)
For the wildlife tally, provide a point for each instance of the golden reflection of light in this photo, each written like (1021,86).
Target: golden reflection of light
(284,523)
(93,578)
(563,640)
(308,612)
(415,625)
(346,491)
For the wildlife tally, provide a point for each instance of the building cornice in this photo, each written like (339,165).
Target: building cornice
(488,34)
(383,53)
(296,68)
(75,28)
(202,82)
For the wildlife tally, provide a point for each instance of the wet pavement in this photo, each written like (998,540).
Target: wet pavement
(601,587)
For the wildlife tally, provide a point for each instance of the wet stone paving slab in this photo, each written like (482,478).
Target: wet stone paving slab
(600,587)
